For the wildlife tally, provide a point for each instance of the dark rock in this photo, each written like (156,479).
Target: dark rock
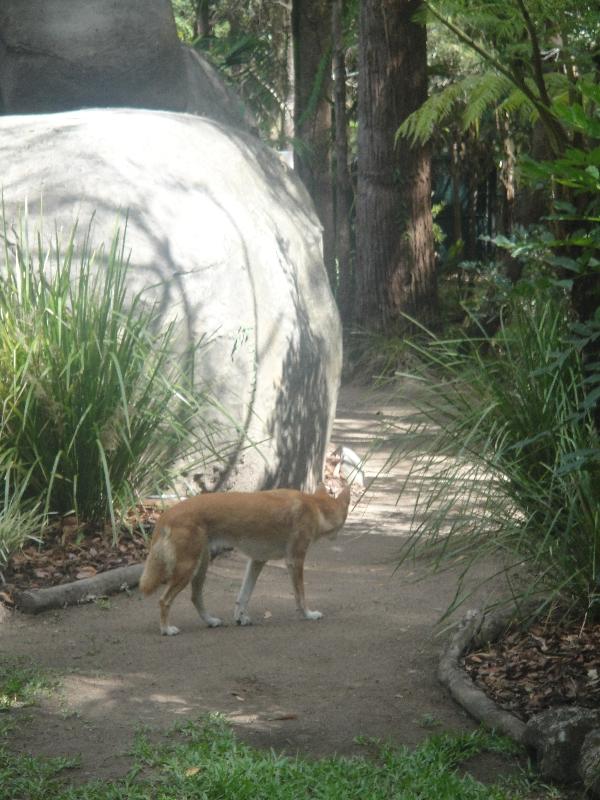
(589,763)
(58,55)
(557,736)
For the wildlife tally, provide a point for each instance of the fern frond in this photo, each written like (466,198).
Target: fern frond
(485,91)
(516,102)
(558,86)
(420,125)
(474,93)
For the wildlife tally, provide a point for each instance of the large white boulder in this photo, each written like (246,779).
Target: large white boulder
(224,238)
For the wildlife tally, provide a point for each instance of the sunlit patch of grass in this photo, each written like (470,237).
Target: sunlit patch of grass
(21,685)
(204,761)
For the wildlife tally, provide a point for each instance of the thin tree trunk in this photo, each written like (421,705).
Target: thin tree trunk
(472,186)
(395,255)
(203,26)
(512,267)
(455,175)
(343,184)
(311,25)
(287,111)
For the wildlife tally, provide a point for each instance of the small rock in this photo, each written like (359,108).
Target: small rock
(589,763)
(557,737)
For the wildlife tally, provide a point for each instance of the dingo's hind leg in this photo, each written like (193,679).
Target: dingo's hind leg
(197,584)
(253,569)
(179,580)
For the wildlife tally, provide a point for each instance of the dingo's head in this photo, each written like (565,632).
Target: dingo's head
(333,511)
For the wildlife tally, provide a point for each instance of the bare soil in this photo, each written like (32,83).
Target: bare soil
(367,668)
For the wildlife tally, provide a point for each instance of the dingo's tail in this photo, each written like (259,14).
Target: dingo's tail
(153,575)
(155,568)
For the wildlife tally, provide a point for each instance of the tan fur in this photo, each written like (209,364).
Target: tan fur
(280,523)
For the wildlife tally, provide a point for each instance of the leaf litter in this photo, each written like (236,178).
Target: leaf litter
(554,663)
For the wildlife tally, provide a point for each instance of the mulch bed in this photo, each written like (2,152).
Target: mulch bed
(71,552)
(550,664)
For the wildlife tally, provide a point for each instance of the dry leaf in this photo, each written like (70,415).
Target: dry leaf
(5,597)
(192,771)
(41,573)
(86,572)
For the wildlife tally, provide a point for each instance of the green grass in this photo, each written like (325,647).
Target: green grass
(204,761)
(512,461)
(19,521)
(21,684)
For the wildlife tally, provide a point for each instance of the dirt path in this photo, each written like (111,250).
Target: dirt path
(368,667)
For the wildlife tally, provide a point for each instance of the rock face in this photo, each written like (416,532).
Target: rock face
(223,238)
(557,736)
(589,763)
(57,55)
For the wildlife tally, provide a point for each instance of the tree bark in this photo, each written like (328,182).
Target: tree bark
(395,253)
(311,26)
(343,183)
(287,110)
(203,26)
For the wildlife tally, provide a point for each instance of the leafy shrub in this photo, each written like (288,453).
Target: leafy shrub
(96,409)
(19,521)
(515,466)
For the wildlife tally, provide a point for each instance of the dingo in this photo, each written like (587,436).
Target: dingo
(280,523)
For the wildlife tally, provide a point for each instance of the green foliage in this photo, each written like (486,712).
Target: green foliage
(465,100)
(246,61)
(523,57)
(249,45)
(514,467)
(206,762)
(21,685)
(19,520)
(567,245)
(95,409)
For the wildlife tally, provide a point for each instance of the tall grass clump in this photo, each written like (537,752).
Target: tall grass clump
(96,409)
(514,466)
(20,521)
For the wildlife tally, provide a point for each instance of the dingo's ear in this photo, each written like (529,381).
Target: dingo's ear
(321,489)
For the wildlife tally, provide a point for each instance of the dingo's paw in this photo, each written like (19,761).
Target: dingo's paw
(312,614)
(169,630)
(213,622)
(242,618)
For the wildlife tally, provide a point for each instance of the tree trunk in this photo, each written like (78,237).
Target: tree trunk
(203,26)
(343,184)
(512,267)
(287,109)
(471,160)
(311,26)
(456,177)
(395,255)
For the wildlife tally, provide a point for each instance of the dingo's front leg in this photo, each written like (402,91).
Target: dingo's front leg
(253,569)
(296,569)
